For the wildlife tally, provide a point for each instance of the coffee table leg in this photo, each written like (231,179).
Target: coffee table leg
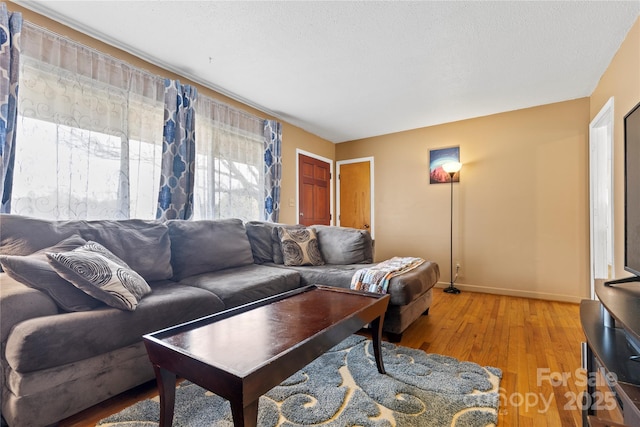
(167,389)
(376,335)
(246,416)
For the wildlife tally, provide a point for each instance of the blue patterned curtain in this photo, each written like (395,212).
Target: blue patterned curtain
(10,27)
(175,200)
(272,169)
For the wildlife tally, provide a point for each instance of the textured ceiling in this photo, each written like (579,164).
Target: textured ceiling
(350,70)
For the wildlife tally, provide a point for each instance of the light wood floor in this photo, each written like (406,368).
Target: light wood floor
(529,340)
(536,343)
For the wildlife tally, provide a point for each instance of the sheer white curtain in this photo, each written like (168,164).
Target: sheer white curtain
(229,162)
(89,140)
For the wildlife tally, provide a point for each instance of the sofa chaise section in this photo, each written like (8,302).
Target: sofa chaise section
(344,251)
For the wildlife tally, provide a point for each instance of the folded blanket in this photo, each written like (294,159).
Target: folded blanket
(376,279)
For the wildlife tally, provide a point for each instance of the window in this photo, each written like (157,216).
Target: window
(89,133)
(229,163)
(89,140)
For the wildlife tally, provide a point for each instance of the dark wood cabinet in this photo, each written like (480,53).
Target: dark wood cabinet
(612,329)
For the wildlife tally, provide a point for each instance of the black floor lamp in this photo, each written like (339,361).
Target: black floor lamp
(451,168)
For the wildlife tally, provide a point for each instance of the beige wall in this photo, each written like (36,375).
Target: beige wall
(293,137)
(622,82)
(520,210)
(521,213)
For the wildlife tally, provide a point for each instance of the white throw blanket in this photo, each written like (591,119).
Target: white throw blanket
(376,279)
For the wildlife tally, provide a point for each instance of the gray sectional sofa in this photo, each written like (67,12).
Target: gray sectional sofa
(64,351)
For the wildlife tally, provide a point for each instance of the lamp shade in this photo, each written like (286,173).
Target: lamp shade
(452,167)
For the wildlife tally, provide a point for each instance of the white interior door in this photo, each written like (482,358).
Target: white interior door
(601,194)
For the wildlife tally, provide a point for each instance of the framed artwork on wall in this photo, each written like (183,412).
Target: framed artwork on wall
(439,157)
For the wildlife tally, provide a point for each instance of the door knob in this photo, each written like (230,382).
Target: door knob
(366,226)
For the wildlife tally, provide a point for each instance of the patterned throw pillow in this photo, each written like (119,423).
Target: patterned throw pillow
(93,269)
(300,246)
(35,271)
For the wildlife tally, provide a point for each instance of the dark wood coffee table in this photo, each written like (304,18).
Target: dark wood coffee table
(241,353)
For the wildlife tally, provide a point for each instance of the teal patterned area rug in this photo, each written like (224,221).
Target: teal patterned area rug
(343,388)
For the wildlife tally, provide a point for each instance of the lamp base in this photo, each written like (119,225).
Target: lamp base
(451,289)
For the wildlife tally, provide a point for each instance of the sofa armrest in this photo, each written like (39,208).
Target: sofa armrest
(19,302)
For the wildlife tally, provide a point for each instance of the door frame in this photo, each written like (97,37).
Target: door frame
(371,189)
(325,160)
(601,132)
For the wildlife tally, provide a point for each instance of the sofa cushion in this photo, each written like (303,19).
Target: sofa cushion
(241,285)
(344,245)
(23,235)
(34,271)
(259,233)
(208,245)
(142,244)
(99,273)
(19,302)
(408,286)
(48,341)
(329,274)
(300,246)
(403,289)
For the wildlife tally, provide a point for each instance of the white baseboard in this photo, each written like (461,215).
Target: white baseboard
(513,292)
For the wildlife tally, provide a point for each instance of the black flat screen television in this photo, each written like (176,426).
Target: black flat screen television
(631,196)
